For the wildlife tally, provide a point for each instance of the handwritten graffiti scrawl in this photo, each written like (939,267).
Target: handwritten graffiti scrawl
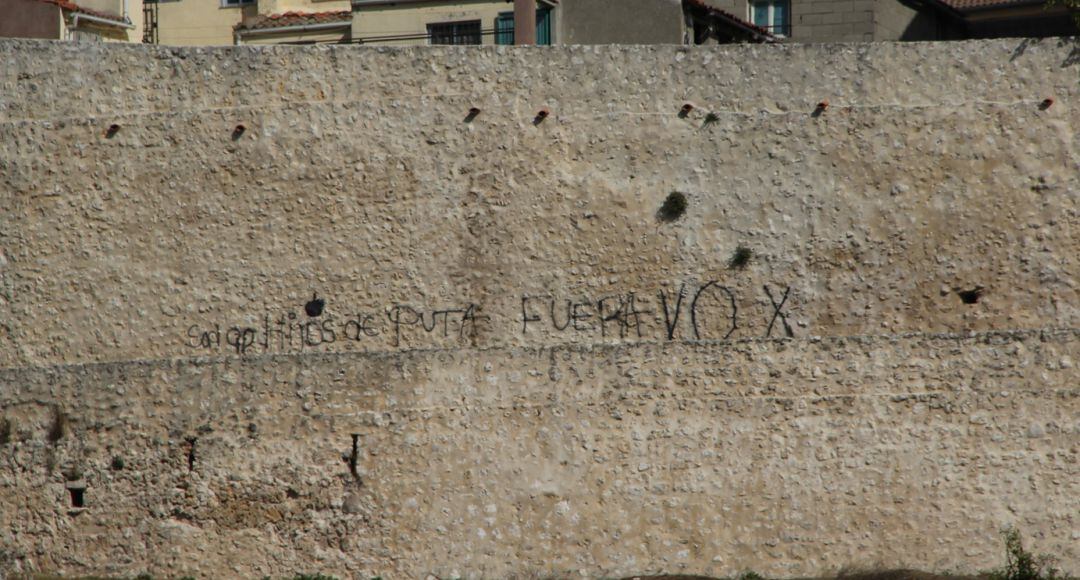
(696,311)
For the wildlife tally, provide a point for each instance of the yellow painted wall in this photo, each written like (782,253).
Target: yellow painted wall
(279,6)
(110,6)
(412,19)
(206,22)
(199,22)
(322,36)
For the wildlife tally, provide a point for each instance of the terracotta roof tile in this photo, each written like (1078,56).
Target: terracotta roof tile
(270,21)
(73,7)
(730,18)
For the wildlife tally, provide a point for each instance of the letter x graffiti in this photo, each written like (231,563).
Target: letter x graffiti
(777,306)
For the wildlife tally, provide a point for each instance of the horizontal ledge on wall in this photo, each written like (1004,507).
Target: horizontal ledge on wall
(1005,336)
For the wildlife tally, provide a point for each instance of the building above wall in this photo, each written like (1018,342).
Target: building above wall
(296,28)
(710,24)
(449,22)
(86,21)
(874,20)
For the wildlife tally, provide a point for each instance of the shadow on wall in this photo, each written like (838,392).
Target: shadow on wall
(1073,58)
(1074,54)
(929,24)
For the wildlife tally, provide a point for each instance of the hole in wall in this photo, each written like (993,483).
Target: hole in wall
(77,499)
(970,296)
(315,306)
(76,489)
(673,208)
(112,131)
(292,493)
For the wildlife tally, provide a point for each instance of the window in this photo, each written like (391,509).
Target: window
(772,15)
(232,3)
(464,32)
(504,27)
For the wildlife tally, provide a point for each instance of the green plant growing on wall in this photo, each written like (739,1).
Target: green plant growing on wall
(740,258)
(1023,565)
(673,208)
(5,431)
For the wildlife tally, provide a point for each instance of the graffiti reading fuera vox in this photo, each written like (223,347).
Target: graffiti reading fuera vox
(695,311)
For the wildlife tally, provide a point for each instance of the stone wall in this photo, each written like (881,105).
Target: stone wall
(281,310)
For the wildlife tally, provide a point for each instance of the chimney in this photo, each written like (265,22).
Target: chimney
(524,22)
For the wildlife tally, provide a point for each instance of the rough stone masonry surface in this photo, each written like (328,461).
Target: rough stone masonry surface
(277,310)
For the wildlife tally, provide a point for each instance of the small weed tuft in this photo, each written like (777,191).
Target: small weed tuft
(117,463)
(751,575)
(711,118)
(5,431)
(313,577)
(673,208)
(740,258)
